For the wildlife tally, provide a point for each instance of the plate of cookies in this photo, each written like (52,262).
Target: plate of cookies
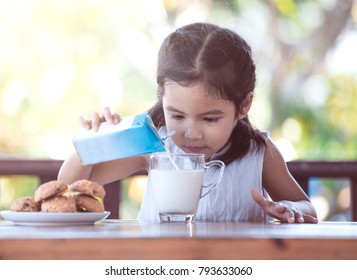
(53,219)
(57,203)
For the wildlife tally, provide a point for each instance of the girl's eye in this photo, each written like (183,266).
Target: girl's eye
(177,117)
(211,120)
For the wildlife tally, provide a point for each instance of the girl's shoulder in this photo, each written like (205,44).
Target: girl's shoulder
(261,143)
(255,154)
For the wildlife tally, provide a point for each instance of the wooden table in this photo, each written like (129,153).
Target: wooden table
(130,240)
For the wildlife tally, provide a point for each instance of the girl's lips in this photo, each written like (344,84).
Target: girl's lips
(195,150)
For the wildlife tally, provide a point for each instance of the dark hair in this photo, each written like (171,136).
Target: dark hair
(219,59)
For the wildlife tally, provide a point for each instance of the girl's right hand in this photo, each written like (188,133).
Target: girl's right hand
(96,120)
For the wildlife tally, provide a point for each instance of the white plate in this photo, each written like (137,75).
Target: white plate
(50,219)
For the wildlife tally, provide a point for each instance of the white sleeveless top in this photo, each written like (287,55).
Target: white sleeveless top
(231,200)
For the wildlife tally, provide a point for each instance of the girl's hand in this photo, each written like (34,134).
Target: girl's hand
(96,120)
(285,211)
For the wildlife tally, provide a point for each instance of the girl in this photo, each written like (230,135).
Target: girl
(206,78)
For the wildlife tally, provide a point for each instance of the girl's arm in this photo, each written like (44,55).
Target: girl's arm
(290,203)
(102,173)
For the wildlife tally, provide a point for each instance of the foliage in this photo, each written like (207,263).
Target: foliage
(60,59)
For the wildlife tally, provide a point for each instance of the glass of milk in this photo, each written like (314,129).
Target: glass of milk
(177,181)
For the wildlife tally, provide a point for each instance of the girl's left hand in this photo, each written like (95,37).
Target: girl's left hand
(285,211)
(96,119)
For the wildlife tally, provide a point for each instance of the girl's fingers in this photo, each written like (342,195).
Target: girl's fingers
(280,211)
(116,118)
(108,115)
(84,123)
(288,214)
(290,217)
(95,121)
(310,219)
(299,218)
(259,198)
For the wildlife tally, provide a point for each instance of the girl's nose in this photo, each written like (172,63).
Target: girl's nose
(193,131)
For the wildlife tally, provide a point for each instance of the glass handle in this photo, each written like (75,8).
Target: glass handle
(213,185)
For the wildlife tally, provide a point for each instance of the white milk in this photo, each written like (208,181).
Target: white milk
(177,191)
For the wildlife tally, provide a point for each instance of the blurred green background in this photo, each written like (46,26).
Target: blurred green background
(60,59)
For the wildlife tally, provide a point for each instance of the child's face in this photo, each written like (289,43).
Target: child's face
(203,123)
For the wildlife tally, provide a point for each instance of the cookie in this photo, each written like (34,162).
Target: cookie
(86,203)
(88,187)
(59,203)
(25,204)
(49,189)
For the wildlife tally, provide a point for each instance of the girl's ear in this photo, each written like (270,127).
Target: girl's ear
(245,107)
